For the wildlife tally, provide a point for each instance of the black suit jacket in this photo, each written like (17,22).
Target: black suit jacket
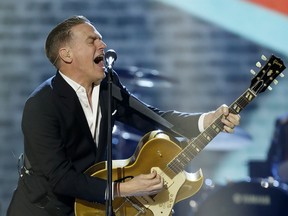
(60,147)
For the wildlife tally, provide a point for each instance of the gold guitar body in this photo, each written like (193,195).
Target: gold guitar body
(151,153)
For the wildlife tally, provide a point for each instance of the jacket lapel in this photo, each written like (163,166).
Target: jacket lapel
(71,105)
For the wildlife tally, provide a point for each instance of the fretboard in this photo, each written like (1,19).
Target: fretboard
(196,145)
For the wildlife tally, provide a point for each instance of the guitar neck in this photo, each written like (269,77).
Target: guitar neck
(196,145)
(259,84)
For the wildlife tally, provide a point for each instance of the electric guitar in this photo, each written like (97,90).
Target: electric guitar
(161,152)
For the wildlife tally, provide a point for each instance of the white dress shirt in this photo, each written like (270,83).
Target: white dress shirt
(92,114)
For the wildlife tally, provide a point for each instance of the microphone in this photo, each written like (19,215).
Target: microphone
(110,58)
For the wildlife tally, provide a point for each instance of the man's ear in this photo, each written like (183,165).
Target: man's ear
(65,54)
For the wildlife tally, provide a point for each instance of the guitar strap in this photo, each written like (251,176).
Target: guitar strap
(144,110)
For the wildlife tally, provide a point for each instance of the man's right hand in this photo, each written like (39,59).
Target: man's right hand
(141,185)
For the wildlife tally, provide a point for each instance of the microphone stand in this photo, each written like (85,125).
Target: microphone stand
(109,206)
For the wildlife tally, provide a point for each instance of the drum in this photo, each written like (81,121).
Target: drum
(249,198)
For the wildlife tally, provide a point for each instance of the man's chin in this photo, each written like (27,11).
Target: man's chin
(104,74)
(101,71)
(99,80)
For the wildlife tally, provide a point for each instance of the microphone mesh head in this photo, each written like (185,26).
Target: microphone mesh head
(111,54)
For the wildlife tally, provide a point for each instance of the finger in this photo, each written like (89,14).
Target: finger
(155,180)
(157,183)
(234,119)
(158,180)
(224,109)
(228,129)
(153,174)
(229,122)
(149,176)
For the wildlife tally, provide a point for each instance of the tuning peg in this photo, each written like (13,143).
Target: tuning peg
(258,64)
(281,75)
(270,88)
(275,81)
(263,57)
(252,72)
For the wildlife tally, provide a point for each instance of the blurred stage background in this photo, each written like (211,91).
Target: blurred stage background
(186,55)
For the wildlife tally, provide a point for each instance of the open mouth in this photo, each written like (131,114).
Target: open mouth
(98,59)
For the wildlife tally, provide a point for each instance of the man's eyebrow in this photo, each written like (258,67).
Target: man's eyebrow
(94,37)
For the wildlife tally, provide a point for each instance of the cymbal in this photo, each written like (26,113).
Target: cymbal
(144,77)
(124,132)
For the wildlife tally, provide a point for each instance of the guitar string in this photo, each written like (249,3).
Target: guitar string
(196,145)
(193,147)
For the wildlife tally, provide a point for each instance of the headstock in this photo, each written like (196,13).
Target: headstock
(267,74)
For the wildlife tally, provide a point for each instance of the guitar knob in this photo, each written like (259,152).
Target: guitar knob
(252,72)
(263,57)
(258,64)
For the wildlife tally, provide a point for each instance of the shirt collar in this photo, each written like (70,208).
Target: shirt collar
(76,86)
